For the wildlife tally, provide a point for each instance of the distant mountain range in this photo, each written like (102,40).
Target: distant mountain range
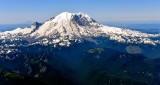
(148,28)
(9,27)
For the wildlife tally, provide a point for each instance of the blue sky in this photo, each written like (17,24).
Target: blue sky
(23,11)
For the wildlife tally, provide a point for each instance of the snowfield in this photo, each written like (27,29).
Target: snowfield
(75,26)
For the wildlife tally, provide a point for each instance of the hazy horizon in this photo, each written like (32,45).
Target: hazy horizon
(28,11)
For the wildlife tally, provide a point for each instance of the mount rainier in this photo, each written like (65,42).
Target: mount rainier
(73,49)
(67,27)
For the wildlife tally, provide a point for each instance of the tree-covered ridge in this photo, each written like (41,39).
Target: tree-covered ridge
(80,65)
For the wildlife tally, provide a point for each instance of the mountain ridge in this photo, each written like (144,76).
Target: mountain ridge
(66,27)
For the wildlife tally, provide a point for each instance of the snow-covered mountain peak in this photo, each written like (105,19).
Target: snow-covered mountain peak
(78,26)
(62,17)
(80,18)
(67,24)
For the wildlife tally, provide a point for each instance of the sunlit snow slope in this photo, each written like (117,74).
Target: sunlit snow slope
(76,26)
